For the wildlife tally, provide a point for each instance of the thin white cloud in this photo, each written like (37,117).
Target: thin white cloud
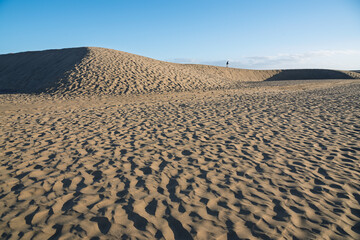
(330,59)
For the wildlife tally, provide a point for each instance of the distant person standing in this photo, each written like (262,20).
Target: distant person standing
(227,64)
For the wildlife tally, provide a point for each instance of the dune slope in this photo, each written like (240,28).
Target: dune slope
(37,71)
(97,71)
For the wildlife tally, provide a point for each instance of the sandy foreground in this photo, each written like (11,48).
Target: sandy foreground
(267,161)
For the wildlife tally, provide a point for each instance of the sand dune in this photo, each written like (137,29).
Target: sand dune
(98,71)
(251,158)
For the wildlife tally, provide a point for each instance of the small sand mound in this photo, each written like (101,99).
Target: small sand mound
(98,71)
(301,74)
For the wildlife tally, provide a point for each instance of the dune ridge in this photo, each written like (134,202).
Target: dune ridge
(99,71)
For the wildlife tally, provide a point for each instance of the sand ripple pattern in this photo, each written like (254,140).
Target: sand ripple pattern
(107,71)
(254,164)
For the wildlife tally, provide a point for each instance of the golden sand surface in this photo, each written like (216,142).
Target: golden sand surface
(270,160)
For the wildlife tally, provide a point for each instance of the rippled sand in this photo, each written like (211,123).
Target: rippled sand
(269,160)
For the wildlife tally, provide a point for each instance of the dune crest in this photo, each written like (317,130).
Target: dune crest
(98,71)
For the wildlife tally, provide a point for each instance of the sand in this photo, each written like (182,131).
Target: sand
(269,160)
(101,71)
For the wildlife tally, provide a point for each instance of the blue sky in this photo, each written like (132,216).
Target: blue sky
(258,34)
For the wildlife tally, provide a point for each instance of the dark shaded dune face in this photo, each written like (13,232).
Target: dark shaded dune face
(303,74)
(40,71)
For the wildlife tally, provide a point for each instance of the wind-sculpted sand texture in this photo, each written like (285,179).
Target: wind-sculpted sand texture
(271,160)
(101,71)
